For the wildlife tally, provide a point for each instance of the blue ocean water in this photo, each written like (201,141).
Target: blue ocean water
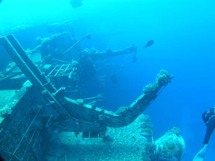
(184,37)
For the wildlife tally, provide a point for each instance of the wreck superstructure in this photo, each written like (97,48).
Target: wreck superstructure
(38,109)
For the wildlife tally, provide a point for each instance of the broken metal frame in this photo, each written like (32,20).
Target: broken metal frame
(69,108)
(87,116)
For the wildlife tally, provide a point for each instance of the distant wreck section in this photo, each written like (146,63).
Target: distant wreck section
(40,123)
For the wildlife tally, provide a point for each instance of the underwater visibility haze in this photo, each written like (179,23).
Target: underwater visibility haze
(175,35)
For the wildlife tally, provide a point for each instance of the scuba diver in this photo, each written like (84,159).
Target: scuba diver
(1,159)
(209,120)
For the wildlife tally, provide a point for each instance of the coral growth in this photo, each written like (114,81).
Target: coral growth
(170,147)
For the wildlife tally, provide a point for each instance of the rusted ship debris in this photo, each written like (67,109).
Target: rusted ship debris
(35,109)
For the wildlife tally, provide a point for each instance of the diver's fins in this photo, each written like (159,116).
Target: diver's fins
(198,158)
(200,155)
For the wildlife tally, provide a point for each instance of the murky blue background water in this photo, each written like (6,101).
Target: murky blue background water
(184,35)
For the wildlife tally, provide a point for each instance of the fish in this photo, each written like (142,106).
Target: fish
(76,3)
(149,43)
